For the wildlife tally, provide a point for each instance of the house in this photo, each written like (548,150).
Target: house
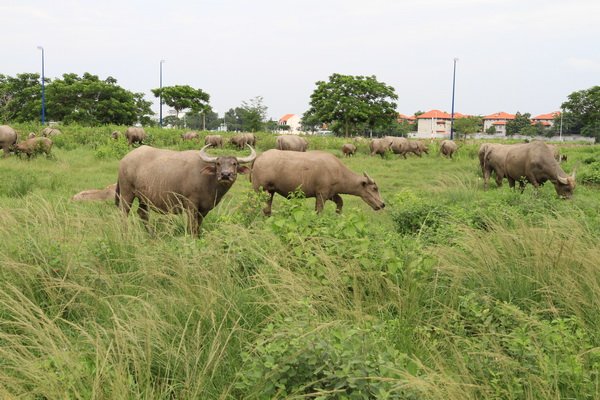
(498,121)
(405,118)
(546,120)
(292,121)
(436,122)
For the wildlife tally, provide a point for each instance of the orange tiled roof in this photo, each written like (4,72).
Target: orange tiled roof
(286,117)
(435,114)
(406,117)
(549,116)
(500,115)
(499,123)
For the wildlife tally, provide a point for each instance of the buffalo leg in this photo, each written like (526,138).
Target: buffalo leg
(320,202)
(511,182)
(337,199)
(195,218)
(267,209)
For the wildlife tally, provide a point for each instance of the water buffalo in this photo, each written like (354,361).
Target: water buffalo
(380,146)
(189,136)
(108,193)
(318,174)
(34,146)
(8,137)
(115,135)
(176,181)
(532,162)
(135,135)
(46,132)
(242,139)
(291,143)
(214,140)
(448,148)
(31,135)
(348,149)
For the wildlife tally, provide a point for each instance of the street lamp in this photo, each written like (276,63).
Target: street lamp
(43,88)
(160,93)
(453,85)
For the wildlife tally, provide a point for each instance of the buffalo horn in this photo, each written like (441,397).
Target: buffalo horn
(248,159)
(563,180)
(205,157)
(368,177)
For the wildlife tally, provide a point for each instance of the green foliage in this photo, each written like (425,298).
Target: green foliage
(469,125)
(353,100)
(520,125)
(17,186)
(582,112)
(20,97)
(590,173)
(87,100)
(115,149)
(181,97)
(297,358)
(491,130)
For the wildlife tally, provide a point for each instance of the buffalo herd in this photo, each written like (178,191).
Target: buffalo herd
(194,182)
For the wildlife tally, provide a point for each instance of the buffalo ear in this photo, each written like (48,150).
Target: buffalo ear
(209,170)
(243,169)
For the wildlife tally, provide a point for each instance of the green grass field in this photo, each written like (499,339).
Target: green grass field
(451,292)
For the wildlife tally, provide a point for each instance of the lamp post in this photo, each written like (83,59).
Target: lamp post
(43,89)
(560,131)
(453,85)
(160,94)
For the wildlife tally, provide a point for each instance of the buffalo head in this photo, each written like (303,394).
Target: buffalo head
(226,168)
(369,192)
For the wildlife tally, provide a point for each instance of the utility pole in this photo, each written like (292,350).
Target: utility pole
(453,86)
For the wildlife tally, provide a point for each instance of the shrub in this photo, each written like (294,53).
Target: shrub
(324,362)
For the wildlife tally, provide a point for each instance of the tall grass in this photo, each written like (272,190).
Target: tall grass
(450,293)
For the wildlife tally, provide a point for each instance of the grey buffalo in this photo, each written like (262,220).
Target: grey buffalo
(8,137)
(176,181)
(317,174)
(33,146)
(448,148)
(380,146)
(214,140)
(348,149)
(291,143)
(135,135)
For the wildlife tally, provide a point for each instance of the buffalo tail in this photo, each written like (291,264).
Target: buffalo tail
(117,195)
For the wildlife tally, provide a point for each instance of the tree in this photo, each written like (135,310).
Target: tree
(253,114)
(20,97)
(520,124)
(468,125)
(581,113)
(310,122)
(182,97)
(353,100)
(208,120)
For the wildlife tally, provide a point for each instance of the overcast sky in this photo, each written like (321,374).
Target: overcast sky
(525,55)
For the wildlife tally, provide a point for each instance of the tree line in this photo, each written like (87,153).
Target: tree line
(345,104)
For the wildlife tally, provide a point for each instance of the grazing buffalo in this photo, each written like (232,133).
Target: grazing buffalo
(318,174)
(532,162)
(189,136)
(291,143)
(46,132)
(34,146)
(214,140)
(31,135)
(8,137)
(176,181)
(108,193)
(448,148)
(380,146)
(135,135)
(242,139)
(115,135)
(348,149)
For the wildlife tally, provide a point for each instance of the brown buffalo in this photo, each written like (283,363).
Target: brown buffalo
(176,181)
(108,193)
(214,140)
(317,174)
(242,139)
(8,137)
(291,143)
(189,136)
(31,135)
(348,149)
(448,148)
(115,135)
(532,162)
(135,135)
(34,146)
(380,146)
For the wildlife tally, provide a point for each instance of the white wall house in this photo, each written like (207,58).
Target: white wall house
(498,121)
(545,119)
(291,120)
(436,123)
